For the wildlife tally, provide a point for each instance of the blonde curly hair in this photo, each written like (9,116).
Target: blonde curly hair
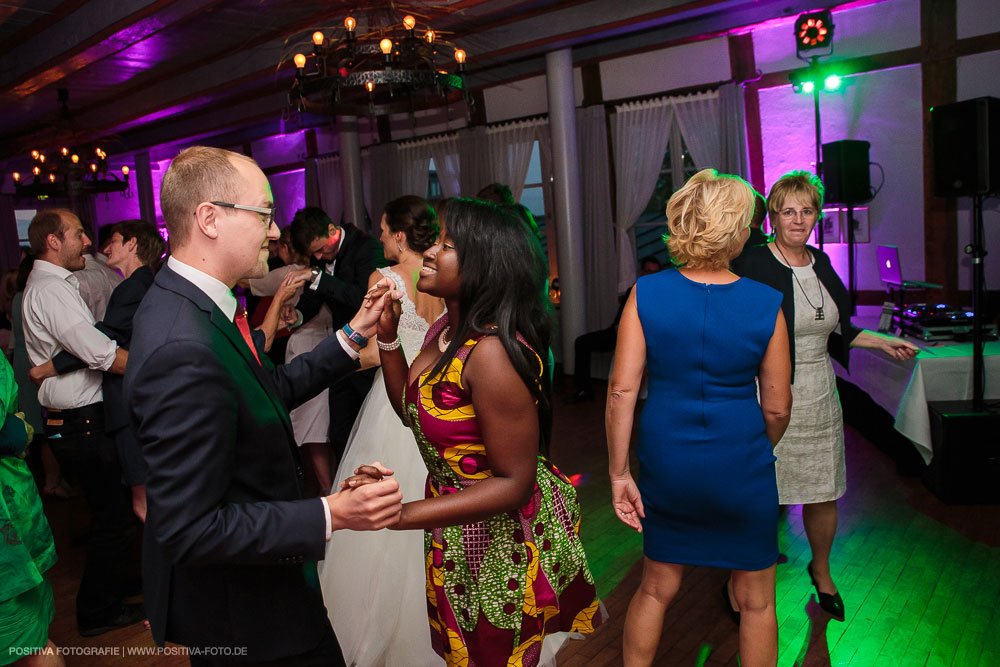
(706,219)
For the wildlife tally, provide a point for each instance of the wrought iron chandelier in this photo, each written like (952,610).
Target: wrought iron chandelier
(70,172)
(67,172)
(382,62)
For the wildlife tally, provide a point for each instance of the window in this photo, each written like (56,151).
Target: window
(433,184)
(23,217)
(533,195)
(677,168)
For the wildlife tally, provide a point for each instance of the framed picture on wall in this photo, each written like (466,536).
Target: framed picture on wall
(831,223)
(859,220)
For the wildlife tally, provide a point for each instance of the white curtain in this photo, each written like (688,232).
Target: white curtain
(378,166)
(473,161)
(445,152)
(639,133)
(735,157)
(413,161)
(509,149)
(600,275)
(331,192)
(698,118)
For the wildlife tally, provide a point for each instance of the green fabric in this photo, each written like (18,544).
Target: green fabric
(26,546)
(24,622)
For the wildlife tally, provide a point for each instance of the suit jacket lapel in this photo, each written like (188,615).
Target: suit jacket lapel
(170,280)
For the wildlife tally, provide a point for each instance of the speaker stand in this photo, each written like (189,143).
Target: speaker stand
(819,144)
(977,250)
(851,282)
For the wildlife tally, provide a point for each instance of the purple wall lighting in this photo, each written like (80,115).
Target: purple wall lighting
(289,189)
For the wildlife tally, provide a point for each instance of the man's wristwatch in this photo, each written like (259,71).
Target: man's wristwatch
(315,273)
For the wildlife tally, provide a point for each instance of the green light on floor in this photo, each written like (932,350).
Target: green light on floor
(832,83)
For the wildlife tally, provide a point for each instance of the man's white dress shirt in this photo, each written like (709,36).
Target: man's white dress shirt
(97,282)
(56,318)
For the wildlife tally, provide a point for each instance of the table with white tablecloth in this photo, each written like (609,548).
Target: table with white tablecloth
(940,372)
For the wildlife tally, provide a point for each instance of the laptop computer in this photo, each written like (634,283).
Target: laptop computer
(890,273)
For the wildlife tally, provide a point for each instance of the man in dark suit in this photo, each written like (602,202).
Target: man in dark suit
(133,248)
(227,530)
(345,258)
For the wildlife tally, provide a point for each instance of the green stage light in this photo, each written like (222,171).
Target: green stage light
(832,82)
(808,86)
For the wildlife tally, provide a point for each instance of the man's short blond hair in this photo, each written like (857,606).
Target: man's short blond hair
(48,221)
(706,219)
(198,174)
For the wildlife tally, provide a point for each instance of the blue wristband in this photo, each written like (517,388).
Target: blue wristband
(354,336)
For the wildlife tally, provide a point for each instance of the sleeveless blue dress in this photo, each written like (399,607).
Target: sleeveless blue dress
(706,466)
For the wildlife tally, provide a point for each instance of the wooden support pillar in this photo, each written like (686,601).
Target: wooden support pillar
(939,82)
(744,69)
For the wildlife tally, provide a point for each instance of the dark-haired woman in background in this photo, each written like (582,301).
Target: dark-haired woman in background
(810,468)
(389,629)
(504,561)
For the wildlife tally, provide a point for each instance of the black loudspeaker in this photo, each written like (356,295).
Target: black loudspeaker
(965,144)
(845,172)
(966,463)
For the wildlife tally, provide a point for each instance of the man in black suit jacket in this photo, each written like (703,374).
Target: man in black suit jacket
(227,530)
(345,258)
(133,248)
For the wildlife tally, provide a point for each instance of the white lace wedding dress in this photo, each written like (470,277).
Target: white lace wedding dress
(373,582)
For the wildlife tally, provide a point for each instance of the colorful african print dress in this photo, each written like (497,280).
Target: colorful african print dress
(495,588)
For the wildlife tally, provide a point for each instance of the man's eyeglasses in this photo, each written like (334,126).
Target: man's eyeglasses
(267,213)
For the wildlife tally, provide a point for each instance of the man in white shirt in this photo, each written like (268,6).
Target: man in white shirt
(55,319)
(227,529)
(97,279)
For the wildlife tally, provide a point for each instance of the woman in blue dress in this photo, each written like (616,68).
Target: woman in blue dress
(706,492)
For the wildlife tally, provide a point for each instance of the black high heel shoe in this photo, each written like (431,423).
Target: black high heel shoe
(831,604)
(733,614)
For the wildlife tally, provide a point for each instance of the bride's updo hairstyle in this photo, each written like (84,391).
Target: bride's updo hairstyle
(706,219)
(415,217)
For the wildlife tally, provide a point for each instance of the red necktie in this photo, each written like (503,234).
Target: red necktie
(241,323)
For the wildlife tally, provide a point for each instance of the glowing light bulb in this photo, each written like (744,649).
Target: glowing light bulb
(93,167)
(460,56)
(125,170)
(318,38)
(832,82)
(386,46)
(17,176)
(34,155)
(409,22)
(65,151)
(808,86)
(74,158)
(370,85)
(429,36)
(350,24)
(300,60)
(41,157)
(35,170)
(52,178)
(97,151)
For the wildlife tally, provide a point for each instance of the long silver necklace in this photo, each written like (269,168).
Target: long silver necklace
(819,309)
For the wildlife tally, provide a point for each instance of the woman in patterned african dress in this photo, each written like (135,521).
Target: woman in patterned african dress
(505,565)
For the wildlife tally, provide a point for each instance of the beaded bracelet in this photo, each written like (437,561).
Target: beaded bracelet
(389,347)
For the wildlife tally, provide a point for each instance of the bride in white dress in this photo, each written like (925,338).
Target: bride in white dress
(373,582)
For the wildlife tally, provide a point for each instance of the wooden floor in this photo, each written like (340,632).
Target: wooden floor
(920,579)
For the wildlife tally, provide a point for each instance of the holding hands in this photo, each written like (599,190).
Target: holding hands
(370,500)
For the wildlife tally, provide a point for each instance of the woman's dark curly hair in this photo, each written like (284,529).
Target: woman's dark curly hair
(503,285)
(415,217)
